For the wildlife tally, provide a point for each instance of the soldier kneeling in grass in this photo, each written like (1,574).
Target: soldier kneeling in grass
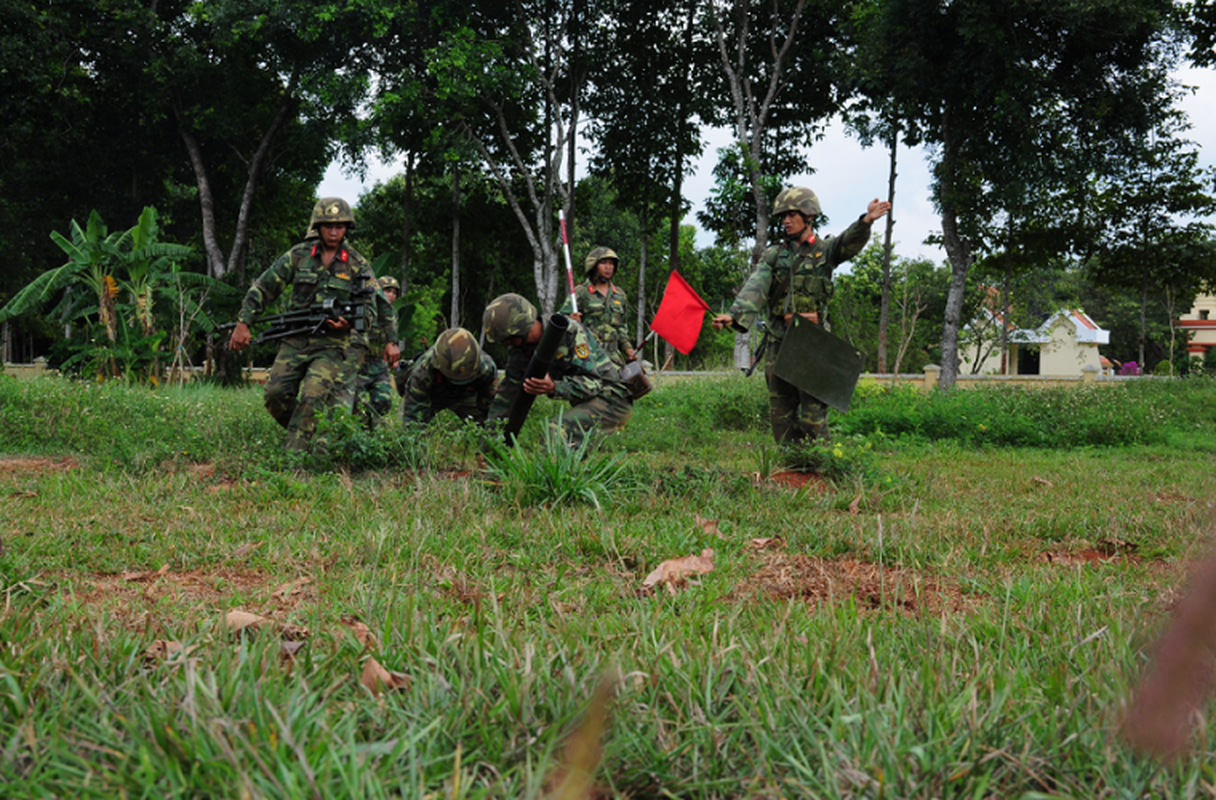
(581,373)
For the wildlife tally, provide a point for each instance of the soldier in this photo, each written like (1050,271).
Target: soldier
(373,388)
(454,374)
(602,306)
(581,373)
(795,277)
(314,372)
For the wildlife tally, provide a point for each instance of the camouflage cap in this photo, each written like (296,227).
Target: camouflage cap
(796,198)
(388,282)
(596,256)
(332,209)
(457,355)
(508,315)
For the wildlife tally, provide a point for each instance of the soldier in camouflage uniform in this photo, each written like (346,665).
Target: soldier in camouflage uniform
(454,374)
(795,277)
(581,373)
(602,306)
(314,372)
(373,387)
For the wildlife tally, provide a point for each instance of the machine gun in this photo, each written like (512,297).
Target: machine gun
(311,321)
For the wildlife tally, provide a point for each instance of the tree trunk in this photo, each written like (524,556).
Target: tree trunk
(644,252)
(1143,318)
(236,257)
(959,255)
(218,266)
(454,317)
(216,263)
(1006,309)
(958,250)
(407,214)
(884,312)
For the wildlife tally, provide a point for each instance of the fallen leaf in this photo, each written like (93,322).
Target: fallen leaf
(288,650)
(246,549)
(286,591)
(363,634)
(766,543)
(710,526)
(238,621)
(145,575)
(855,506)
(25,494)
(295,633)
(376,678)
(163,649)
(673,572)
(1043,481)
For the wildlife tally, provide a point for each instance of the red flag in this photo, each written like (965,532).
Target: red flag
(680,314)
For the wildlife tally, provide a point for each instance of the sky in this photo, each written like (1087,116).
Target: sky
(847,176)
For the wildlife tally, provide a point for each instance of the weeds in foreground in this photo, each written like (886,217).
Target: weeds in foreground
(559,472)
(844,460)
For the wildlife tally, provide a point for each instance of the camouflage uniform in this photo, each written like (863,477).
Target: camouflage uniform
(793,413)
(583,374)
(311,372)
(435,383)
(373,385)
(603,316)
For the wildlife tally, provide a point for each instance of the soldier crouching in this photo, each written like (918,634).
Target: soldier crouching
(581,373)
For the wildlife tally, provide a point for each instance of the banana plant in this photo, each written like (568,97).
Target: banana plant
(93,255)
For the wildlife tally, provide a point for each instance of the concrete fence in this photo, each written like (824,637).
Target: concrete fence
(925,381)
(39,368)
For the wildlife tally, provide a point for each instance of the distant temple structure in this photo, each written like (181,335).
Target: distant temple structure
(1199,326)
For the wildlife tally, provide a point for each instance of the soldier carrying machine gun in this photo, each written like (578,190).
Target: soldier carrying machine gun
(311,321)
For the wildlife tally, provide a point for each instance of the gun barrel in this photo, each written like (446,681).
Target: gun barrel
(538,367)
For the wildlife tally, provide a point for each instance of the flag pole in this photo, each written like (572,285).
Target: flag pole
(561,218)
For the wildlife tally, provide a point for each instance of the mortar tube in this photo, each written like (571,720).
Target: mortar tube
(538,367)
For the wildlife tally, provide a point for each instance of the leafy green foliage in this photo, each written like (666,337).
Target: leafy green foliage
(1015,417)
(345,440)
(845,460)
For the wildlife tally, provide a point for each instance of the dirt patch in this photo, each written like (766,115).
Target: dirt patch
(1087,557)
(813,482)
(871,586)
(133,592)
(36,466)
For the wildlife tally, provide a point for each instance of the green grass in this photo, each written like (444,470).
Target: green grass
(963,649)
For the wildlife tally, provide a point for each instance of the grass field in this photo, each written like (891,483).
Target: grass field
(961,609)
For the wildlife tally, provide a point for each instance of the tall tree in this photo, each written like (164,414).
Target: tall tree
(645,104)
(510,72)
(1153,242)
(993,86)
(269,80)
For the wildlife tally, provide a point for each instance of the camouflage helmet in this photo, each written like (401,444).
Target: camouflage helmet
(596,256)
(311,234)
(796,198)
(457,355)
(331,209)
(388,282)
(508,315)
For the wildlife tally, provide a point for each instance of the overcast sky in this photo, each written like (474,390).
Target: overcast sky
(848,176)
